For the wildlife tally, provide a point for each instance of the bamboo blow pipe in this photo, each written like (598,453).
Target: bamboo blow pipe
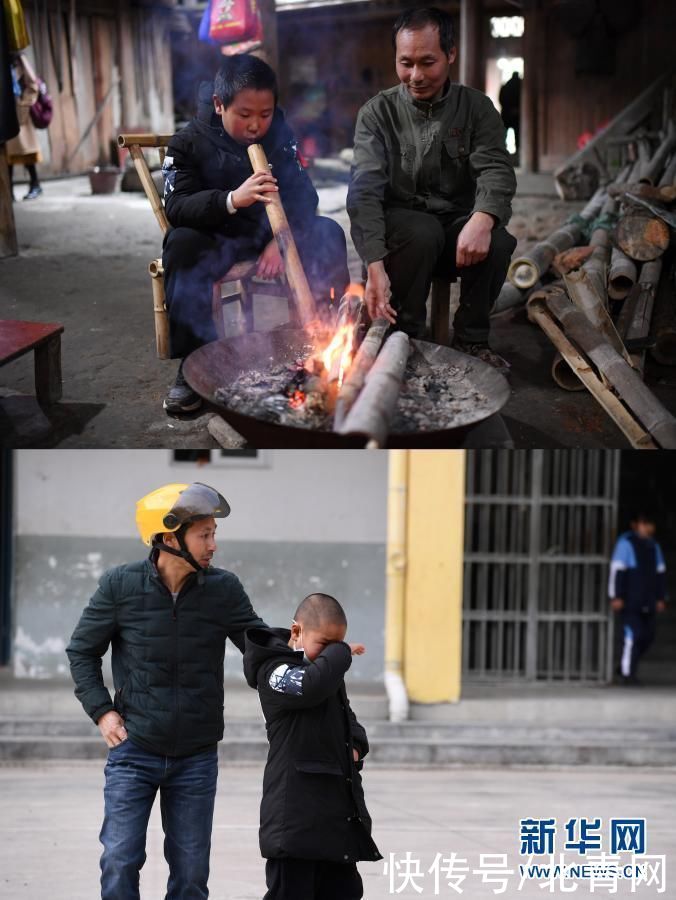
(374,408)
(295,275)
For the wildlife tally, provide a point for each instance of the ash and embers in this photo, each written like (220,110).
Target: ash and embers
(434,396)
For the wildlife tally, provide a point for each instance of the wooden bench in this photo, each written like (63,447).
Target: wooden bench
(17,338)
(241,281)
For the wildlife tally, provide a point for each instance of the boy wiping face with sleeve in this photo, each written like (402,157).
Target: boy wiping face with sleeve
(314,824)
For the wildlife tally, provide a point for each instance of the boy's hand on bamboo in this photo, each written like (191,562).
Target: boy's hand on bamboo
(357,649)
(254,189)
(270,262)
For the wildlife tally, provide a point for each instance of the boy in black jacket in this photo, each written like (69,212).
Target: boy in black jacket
(314,821)
(216,207)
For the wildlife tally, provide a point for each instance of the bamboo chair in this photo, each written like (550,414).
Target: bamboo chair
(240,281)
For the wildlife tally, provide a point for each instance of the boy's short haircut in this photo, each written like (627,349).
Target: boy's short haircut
(237,73)
(642,515)
(319,609)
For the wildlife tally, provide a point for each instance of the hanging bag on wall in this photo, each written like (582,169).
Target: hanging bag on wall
(233,21)
(17,34)
(42,110)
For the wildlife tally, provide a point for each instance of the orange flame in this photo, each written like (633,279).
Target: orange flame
(338,355)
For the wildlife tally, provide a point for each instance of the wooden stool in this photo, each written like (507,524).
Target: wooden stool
(17,338)
(441,309)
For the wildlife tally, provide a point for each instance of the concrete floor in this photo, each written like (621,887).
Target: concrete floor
(51,818)
(83,262)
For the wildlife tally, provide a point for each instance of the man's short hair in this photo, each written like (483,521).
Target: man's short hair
(416,18)
(237,73)
(320,609)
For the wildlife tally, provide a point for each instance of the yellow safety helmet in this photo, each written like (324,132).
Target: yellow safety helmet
(173,505)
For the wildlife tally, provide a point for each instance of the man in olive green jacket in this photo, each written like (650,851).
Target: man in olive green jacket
(431,189)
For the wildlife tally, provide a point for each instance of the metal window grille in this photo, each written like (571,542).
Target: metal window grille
(538,532)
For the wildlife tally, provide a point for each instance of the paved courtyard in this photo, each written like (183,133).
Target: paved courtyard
(51,815)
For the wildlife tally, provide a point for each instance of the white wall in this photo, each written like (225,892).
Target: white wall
(297,495)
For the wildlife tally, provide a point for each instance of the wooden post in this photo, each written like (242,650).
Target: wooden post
(471,73)
(533,36)
(8,241)
(269,51)
(295,275)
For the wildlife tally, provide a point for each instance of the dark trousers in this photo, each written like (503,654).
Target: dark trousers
(422,245)
(638,633)
(193,260)
(307,879)
(187,790)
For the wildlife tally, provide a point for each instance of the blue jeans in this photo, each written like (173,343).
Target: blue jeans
(187,791)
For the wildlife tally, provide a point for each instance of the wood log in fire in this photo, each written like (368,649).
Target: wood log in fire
(374,408)
(359,369)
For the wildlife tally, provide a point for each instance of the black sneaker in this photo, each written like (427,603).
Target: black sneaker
(484,353)
(33,193)
(181,398)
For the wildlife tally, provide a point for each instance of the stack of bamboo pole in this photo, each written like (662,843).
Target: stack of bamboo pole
(620,301)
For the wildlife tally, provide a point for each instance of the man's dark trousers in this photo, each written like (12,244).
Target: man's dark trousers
(309,879)
(193,260)
(421,246)
(187,789)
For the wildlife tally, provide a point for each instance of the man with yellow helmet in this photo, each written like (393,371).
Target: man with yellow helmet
(167,619)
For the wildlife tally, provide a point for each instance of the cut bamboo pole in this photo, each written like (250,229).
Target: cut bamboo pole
(576,364)
(641,235)
(374,408)
(621,274)
(614,370)
(295,275)
(664,350)
(159,309)
(584,293)
(359,369)
(525,271)
(638,329)
(149,186)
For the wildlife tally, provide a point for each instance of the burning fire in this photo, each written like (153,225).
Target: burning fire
(332,357)
(338,355)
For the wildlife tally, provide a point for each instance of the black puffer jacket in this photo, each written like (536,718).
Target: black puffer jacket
(203,163)
(167,657)
(313,802)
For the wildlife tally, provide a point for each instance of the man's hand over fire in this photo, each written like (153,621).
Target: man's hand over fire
(474,241)
(254,189)
(111,726)
(270,262)
(379,293)
(357,649)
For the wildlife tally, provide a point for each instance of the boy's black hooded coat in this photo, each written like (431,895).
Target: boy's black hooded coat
(313,802)
(203,163)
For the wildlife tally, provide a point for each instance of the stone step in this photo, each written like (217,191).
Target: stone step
(247,729)
(406,743)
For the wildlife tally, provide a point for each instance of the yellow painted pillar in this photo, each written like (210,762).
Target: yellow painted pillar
(434,571)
